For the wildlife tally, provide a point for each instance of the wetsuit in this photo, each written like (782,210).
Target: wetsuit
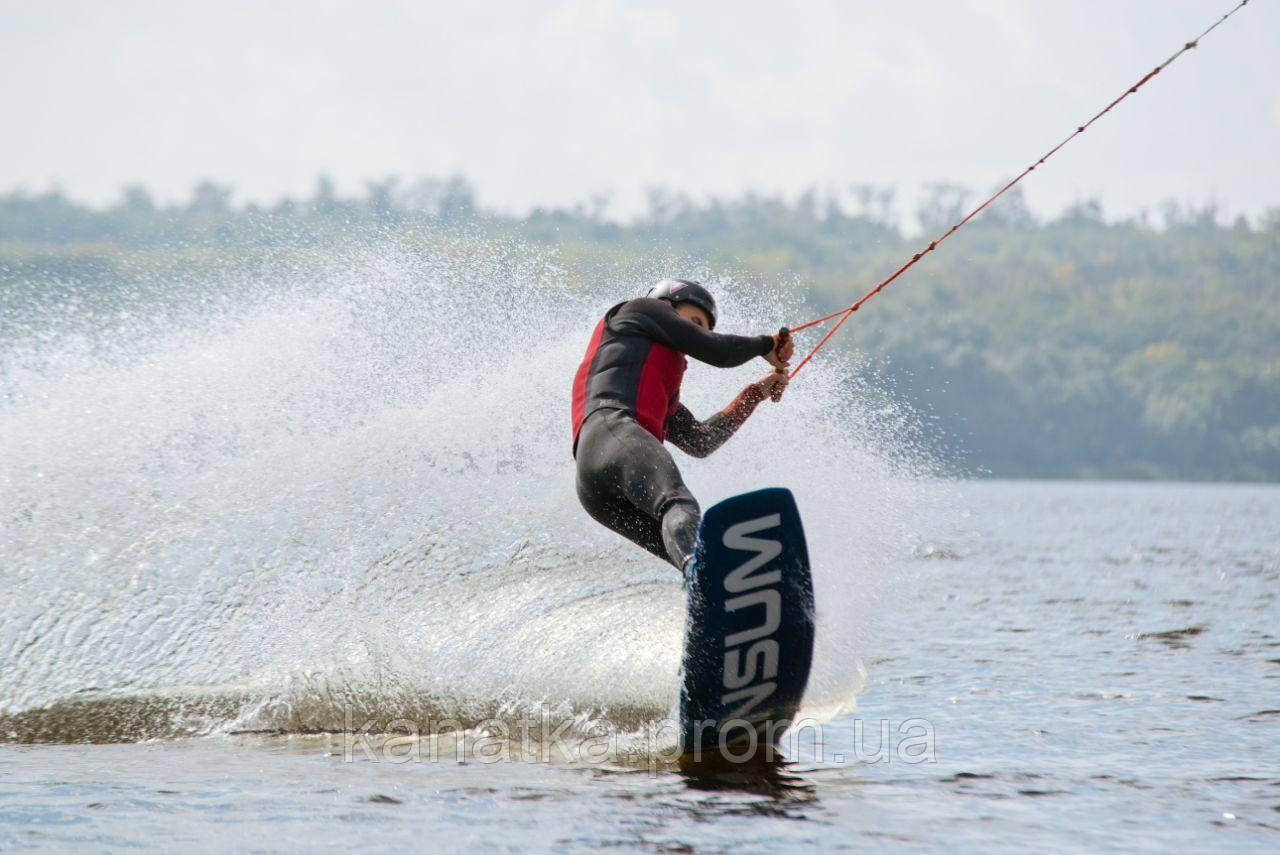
(626,402)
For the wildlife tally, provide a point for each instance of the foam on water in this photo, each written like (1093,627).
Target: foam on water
(352,492)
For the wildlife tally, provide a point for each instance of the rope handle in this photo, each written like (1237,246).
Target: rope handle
(784,336)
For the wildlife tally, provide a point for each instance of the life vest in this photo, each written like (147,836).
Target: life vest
(628,372)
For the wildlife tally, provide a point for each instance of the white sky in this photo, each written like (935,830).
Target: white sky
(545,103)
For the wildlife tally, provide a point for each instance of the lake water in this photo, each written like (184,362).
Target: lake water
(1055,666)
(263,530)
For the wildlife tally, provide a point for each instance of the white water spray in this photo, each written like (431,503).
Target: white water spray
(354,489)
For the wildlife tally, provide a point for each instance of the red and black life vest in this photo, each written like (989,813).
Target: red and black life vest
(629,372)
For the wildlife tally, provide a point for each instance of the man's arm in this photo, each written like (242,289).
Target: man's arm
(698,439)
(655,319)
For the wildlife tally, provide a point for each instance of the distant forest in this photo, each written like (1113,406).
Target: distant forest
(1070,347)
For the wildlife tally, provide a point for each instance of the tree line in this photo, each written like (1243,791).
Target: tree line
(1073,346)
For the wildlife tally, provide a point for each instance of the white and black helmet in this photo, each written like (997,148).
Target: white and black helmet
(686,291)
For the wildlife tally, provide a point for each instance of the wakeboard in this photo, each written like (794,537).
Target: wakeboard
(749,627)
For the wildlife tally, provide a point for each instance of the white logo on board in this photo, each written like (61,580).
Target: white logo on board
(750,655)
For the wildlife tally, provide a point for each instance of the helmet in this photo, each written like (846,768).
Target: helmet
(686,291)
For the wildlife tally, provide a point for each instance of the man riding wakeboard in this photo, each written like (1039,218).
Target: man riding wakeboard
(626,402)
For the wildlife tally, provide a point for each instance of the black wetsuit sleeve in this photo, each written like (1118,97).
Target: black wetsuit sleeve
(698,439)
(655,319)
(695,438)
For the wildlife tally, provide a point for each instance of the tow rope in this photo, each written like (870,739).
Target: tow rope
(844,313)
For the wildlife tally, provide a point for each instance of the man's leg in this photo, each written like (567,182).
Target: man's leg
(628,481)
(626,519)
(680,531)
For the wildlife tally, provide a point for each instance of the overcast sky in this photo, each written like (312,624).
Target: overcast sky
(545,103)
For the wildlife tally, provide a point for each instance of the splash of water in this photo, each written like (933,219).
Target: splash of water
(350,490)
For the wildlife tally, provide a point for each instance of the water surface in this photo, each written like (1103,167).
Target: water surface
(1097,665)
